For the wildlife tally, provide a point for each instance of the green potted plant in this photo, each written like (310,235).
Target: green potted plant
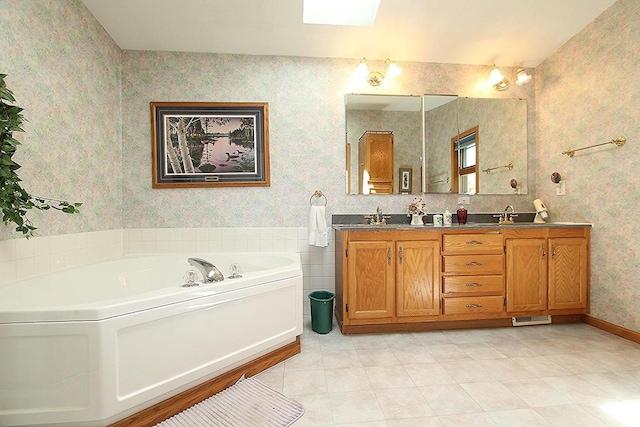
(15,201)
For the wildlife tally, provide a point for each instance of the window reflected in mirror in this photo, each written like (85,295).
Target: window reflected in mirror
(464,162)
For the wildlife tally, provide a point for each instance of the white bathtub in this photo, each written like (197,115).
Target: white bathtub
(93,345)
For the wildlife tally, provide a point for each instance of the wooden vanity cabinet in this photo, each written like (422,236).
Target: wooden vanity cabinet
(375,156)
(388,276)
(547,270)
(395,279)
(472,275)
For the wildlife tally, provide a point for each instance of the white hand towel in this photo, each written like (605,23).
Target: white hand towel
(318,230)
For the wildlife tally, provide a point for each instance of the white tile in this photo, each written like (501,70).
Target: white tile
(536,393)
(163,234)
(577,389)
(24,248)
(41,246)
(304,382)
(24,268)
(188,234)
(8,250)
(8,272)
(425,374)
(201,234)
(136,235)
(317,410)
(378,357)
(467,420)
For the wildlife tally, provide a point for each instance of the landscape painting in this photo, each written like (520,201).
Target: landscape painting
(209,144)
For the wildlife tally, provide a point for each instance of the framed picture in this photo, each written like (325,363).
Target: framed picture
(406,181)
(204,144)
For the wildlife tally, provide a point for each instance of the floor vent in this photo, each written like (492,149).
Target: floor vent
(531,320)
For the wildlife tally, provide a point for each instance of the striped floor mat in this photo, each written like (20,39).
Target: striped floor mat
(247,403)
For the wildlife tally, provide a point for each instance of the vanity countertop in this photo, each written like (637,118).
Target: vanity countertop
(469,226)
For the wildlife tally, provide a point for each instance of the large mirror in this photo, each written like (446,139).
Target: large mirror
(384,144)
(440,142)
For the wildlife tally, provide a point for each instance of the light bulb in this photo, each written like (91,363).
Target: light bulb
(393,70)
(495,76)
(522,77)
(362,70)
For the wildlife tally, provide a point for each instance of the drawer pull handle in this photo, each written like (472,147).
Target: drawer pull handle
(389,255)
(474,284)
(474,242)
(544,251)
(474,305)
(473,263)
(553,251)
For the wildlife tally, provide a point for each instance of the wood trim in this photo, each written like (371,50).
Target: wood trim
(168,408)
(611,328)
(447,325)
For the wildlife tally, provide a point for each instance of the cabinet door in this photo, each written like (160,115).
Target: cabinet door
(568,273)
(418,266)
(380,153)
(526,274)
(370,288)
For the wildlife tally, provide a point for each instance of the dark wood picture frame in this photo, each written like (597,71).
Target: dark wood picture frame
(210,144)
(405,180)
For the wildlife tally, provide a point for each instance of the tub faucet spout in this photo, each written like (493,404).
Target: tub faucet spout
(210,272)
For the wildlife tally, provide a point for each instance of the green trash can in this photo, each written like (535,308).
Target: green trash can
(321,311)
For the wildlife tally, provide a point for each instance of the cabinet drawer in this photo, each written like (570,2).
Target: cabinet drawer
(469,305)
(473,264)
(473,284)
(472,244)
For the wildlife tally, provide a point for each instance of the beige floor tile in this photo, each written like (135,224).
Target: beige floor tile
(431,338)
(317,410)
(569,416)
(519,418)
(577,389)
(305,361)
(512,348)
(304,382)
(449,399)
(447,352)
(347,379)
(378,357)
(625,413)
(494,396)
(576,364)
(355,407)
(369,341)
(382,377)
(468,371)
(615,385)
(480,419)
(401,341)
(424,374)
(418,354)
(401,403)
(415,422)
(536,393)
(541,366)
(505,369)
(481,350)
(341,359)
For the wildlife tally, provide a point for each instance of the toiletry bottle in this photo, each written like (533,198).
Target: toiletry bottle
(461,213)
(447,219)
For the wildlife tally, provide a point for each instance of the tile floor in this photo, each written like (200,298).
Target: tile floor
(545,375)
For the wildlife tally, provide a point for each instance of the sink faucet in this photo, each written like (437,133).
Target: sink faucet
(507,216)
(210,272)
(378,218)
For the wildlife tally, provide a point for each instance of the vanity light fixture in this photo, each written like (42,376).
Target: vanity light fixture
(375,78)
(500,82)
(497,79)
(522,76)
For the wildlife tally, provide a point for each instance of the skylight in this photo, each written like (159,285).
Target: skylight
(340,12)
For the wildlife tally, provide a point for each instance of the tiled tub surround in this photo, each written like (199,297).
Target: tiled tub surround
(22,259)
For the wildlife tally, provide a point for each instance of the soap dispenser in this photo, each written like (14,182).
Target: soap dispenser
(461,213)
(447,219)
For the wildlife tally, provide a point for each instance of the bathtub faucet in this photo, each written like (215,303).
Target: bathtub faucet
(210,272)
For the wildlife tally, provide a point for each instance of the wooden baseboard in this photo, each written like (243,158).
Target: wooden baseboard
(168,408)
(611,328)
(447,325)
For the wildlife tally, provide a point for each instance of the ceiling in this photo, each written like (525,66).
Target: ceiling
(508,33)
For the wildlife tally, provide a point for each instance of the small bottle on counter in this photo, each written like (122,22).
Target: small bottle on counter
(447,218)
(461,213)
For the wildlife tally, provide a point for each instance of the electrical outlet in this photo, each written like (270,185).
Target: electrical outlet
(464,200)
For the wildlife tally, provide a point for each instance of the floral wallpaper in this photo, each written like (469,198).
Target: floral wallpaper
(587,93)
(64,70)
